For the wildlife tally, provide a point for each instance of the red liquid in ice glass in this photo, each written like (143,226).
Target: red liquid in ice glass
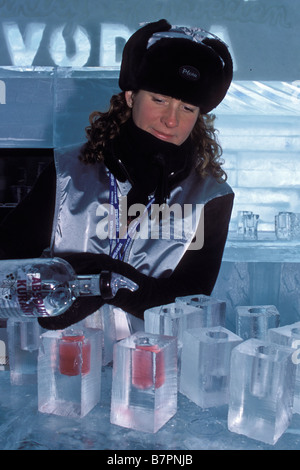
(148,365)
(74,355)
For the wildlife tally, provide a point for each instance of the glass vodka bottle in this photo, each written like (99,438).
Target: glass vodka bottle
(42,287)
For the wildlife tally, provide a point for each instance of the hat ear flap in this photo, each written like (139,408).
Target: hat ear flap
(222,51)
(134,52)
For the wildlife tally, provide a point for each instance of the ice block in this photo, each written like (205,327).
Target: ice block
(23,345)
(205,365)
(213,310)
(289,336)
(144,385)
(69,371)
(262,383)
(254,321)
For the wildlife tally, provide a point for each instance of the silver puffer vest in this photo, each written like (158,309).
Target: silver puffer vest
(80,222)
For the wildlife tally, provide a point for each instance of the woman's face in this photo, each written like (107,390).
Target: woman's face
(164,117)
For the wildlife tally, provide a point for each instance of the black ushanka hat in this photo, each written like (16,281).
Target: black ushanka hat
(184,63)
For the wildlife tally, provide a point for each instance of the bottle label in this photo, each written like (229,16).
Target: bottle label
(22,292)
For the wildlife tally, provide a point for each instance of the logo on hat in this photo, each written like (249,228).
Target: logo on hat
(189,73)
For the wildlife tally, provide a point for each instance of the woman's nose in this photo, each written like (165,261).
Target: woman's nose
(170,117)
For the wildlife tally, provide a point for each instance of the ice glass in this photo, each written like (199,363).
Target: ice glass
(247,225)
(23,345)
(261,391)
(283,225)
(287,226)
(212,311)
(172,320)
(69,371)
(254,321)
(205,366)
(144,385)
(289,336)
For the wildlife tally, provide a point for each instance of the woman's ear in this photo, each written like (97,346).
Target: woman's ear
(129,98)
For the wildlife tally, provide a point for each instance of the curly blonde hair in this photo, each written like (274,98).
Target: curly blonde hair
(104,127)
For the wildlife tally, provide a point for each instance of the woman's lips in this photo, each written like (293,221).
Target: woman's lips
(162,136)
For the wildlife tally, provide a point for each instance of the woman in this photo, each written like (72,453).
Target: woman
(111,203)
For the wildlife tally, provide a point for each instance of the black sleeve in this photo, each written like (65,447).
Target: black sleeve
(26,231)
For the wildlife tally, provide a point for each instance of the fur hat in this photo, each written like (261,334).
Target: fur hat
(184,63)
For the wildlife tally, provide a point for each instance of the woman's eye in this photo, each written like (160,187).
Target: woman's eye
(189,109)
(157,100)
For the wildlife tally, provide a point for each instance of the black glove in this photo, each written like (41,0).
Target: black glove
(132,302)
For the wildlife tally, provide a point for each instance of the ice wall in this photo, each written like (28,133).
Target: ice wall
(259,124)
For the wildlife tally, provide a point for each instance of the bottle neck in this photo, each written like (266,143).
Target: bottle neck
(105,284)
(87,284)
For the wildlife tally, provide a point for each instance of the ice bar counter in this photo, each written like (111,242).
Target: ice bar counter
(233,393)
(61,391)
